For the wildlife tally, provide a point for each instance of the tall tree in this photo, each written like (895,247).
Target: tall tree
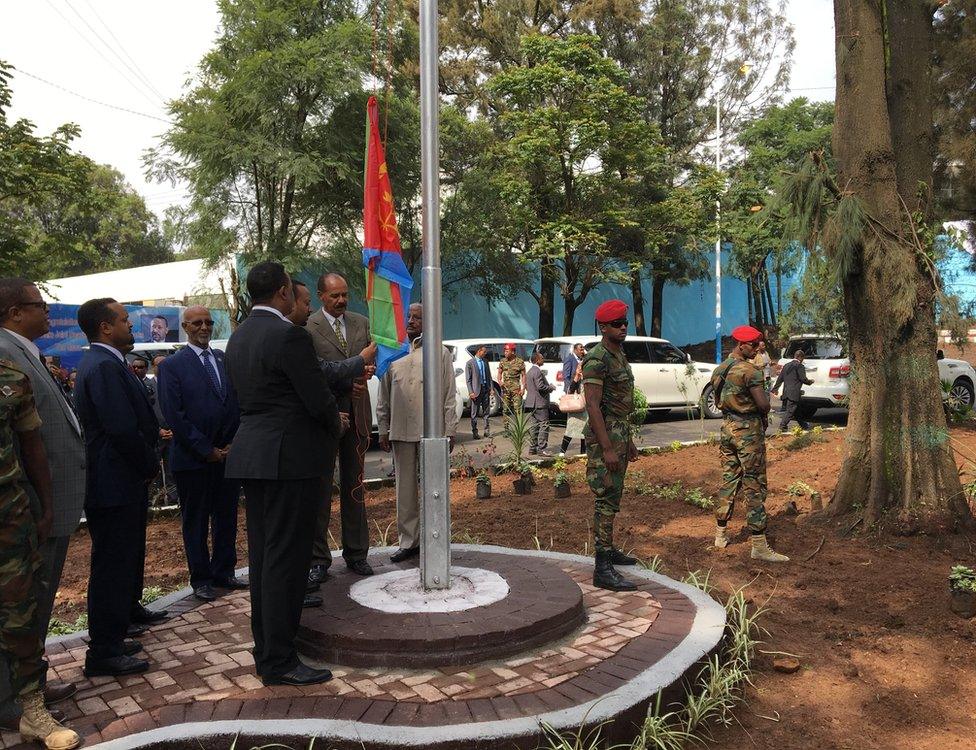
(871,222)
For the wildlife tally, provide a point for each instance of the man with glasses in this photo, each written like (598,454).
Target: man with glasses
(200,406)
(608,387)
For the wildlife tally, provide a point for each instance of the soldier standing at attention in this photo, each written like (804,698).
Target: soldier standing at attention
(741,394)
(511,379)
(20,535)
(608,386)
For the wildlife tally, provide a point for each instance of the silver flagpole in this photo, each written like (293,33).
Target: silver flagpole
(435,513)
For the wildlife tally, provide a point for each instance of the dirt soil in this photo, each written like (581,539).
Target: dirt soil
(885,664)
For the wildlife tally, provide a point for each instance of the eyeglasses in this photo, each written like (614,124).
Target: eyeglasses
(622,323)
(42,304)
(197,323)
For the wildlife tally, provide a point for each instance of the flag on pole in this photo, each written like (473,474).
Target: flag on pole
(388,282)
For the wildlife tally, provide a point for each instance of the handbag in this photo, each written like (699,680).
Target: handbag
(572,403)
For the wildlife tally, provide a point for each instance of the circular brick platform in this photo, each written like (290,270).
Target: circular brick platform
(201,690)
(543,604)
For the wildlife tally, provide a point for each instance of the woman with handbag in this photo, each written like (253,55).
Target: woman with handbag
(572,403)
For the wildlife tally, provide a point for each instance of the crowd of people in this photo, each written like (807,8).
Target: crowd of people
(273,418)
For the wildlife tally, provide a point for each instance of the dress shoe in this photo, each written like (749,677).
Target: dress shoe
(134,631)
(114,666)
(205,593)
(318,573)
(131,647)
(13,724)
(55,692)
(474,435)
(300,675)
(360,567)
(233,583)
(311,587)
(142,616)
(311,600)
(404,554)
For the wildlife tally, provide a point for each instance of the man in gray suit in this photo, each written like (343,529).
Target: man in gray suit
(477,376)
(24,318)
(338,334)
(537,390)
(791,377)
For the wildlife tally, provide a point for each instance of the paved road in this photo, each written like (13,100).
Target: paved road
(662,428)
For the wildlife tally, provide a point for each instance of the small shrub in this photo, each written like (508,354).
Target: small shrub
(962,578)
(561,479)
(151,594)
(674,491)
(675,446)
(799,489)
(655,564)
(59,627)
(698,499)
(804,440)
(483,478)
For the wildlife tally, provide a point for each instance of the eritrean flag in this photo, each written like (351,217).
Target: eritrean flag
(388,282)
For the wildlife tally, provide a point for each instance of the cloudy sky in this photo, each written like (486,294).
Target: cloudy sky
(88,61)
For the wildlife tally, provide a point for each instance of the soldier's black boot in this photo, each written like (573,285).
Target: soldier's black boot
(619,558)
(605,577)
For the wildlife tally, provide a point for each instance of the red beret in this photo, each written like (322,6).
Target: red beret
(612,309)
(509,347)
(746,334)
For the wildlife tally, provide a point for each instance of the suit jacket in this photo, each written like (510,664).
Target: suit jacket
(400,401)
(121,431)
(472,376)
(61,435)
(569,369)
(328,349)
(152,388)
(288,411)
(537,388)
(199,416)
(792,377)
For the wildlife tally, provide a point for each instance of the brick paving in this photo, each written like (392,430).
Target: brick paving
(201,669)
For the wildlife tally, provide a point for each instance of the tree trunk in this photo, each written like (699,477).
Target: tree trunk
(899,466)
(547,298)
(756,301)
(771,311)
(749,312)
(657,305)
(637,294)
(569,315)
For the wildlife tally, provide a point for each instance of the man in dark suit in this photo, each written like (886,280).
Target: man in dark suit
(200,405)
(792,377)
(162,489)
(337,334)
(537,390)
(288,414)
(477,376)
(121,437)
(24,319)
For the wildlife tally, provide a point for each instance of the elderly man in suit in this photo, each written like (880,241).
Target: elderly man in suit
(400,414)
(121,438)
(24,319)
(200,405)
(792,377)
(537,390)
(337,334)
(477,377)
(288,415)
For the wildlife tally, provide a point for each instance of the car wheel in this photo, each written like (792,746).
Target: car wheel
(805,411)
(708,406)
(495,403)
(962,393)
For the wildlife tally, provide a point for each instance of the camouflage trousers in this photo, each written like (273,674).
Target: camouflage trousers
(607,486)
(743,451)
(511,401)
(20,642)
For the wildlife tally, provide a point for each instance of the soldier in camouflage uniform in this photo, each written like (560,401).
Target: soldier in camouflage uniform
(20,535)
(608,386)
(511,379)
(740,389)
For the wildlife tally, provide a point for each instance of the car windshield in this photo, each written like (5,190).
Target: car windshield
(817,348)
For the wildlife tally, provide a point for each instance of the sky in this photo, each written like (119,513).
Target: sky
(136,54)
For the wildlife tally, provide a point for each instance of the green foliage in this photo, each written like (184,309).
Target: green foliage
(798,489)
(151,594)
(804,440)
(655,564)
(699,579)
(561,479)
(698,499)
(517,431)
(465,537)
(59,627)
(962,578)
(639,414)
(675,446)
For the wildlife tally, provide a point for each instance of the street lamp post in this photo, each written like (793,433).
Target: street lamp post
(718,231)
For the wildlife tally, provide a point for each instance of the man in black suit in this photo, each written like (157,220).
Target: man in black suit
(791,377)
(288,413)
(121,436)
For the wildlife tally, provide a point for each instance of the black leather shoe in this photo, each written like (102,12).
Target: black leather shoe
(311,600)
(404,554)
(606,577)
(131,647)
(142,616)
(205,593)
(114,666)
(55,692)
(360,567)
(318,573)
(474,435)
(311,587)
(619,558)
(300,675)
(231,583)
(134,631)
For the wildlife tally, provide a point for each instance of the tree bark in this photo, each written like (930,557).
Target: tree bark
(899,467)
(657,305)
(637,294)
(547,298)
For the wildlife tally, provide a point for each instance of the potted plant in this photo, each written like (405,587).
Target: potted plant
(483,485)
(962,591)
(522,485)
(560,484)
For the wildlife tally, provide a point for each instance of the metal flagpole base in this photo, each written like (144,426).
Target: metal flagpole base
(435,513)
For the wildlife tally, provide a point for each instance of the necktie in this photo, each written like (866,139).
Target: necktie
(208,365)
(338,333)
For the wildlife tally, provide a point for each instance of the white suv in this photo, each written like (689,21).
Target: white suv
(666,376)
(829,367)
(464,351)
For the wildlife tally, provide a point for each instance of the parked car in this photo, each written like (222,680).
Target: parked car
(829,367)
(666,376)
(464,350)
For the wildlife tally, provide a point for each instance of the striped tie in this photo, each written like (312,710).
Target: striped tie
(208,365)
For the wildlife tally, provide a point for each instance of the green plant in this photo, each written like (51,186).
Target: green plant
(655,564)
(675,445)
(561,479)
(538,542)
(699,580)
(798,489)
(636,482)
(803,440)
(517,431)
(698,499)
(151,594)
(483,478)
(639,414)
(673,491)
(59,627)
(384,534)
(465,537)
(962,578)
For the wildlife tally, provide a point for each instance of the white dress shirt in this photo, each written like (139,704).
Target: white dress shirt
(112,349)
(30,345)
(199,352)
(266,308)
